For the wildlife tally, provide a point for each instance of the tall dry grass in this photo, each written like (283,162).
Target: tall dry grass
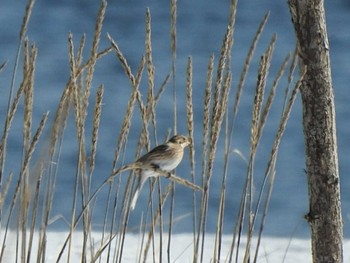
(30,204)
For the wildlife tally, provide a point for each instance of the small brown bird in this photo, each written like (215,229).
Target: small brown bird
(165,157)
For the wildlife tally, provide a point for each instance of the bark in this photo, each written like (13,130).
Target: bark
(324,216)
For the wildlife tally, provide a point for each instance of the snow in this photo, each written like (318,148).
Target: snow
(272,249)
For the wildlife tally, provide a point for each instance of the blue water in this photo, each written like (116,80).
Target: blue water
(200,29)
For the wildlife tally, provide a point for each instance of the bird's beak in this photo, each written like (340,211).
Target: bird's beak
(189,141)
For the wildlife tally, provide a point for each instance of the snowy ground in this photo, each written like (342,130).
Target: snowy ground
(272,249)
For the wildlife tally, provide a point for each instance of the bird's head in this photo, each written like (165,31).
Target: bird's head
(180,140)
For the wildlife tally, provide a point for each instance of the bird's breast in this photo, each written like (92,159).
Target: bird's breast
(168,165)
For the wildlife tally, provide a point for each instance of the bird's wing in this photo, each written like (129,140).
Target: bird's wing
(154,153)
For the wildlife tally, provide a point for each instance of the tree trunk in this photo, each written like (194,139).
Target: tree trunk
(324,216)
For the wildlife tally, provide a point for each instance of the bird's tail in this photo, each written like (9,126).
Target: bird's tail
(134,199)
(137,192)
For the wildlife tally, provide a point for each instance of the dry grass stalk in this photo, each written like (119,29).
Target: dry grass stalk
(220,99)
(28,83)
(221,92)
(78,109)
(286,114)
(246,68)
(128,115)
(93,55)
(98,28)
(151,71)
(28,98)
(10,115)
(2,66)
(34,143)
(290,75)
(73,67)
(206,114)
(270,170)
(56,138)
(271,96)
(217,92)
(173,16)
(82,67)
(190,128)
(218,238)
(28,95)
(3,196)
(230,28)
(206,131)
(8,122)
(232,16)
(7,226)
(140,71)
(151,114)
(127,69)
(263,120)
(169,175)
(81,112)
(150,238)
(61,115)
(293,66)
(4,191)
(258,121)
(80,104)
(257,104)
(254,141)
(26,17)
(96,125)
(262,76)
(25,58)
(24,25)
(28,148)
(122,139)
(189,113)
(88,62)
(122,60)
(145,131)
(35,210)
(161,88)
(59,120)
(223,109)
(239,223)
(79,58)
(224,99)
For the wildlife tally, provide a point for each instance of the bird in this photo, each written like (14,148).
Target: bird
(165,157)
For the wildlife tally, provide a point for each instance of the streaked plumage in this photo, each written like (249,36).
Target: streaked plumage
(165,157)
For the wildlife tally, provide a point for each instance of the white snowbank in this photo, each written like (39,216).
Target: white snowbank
(272,249)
